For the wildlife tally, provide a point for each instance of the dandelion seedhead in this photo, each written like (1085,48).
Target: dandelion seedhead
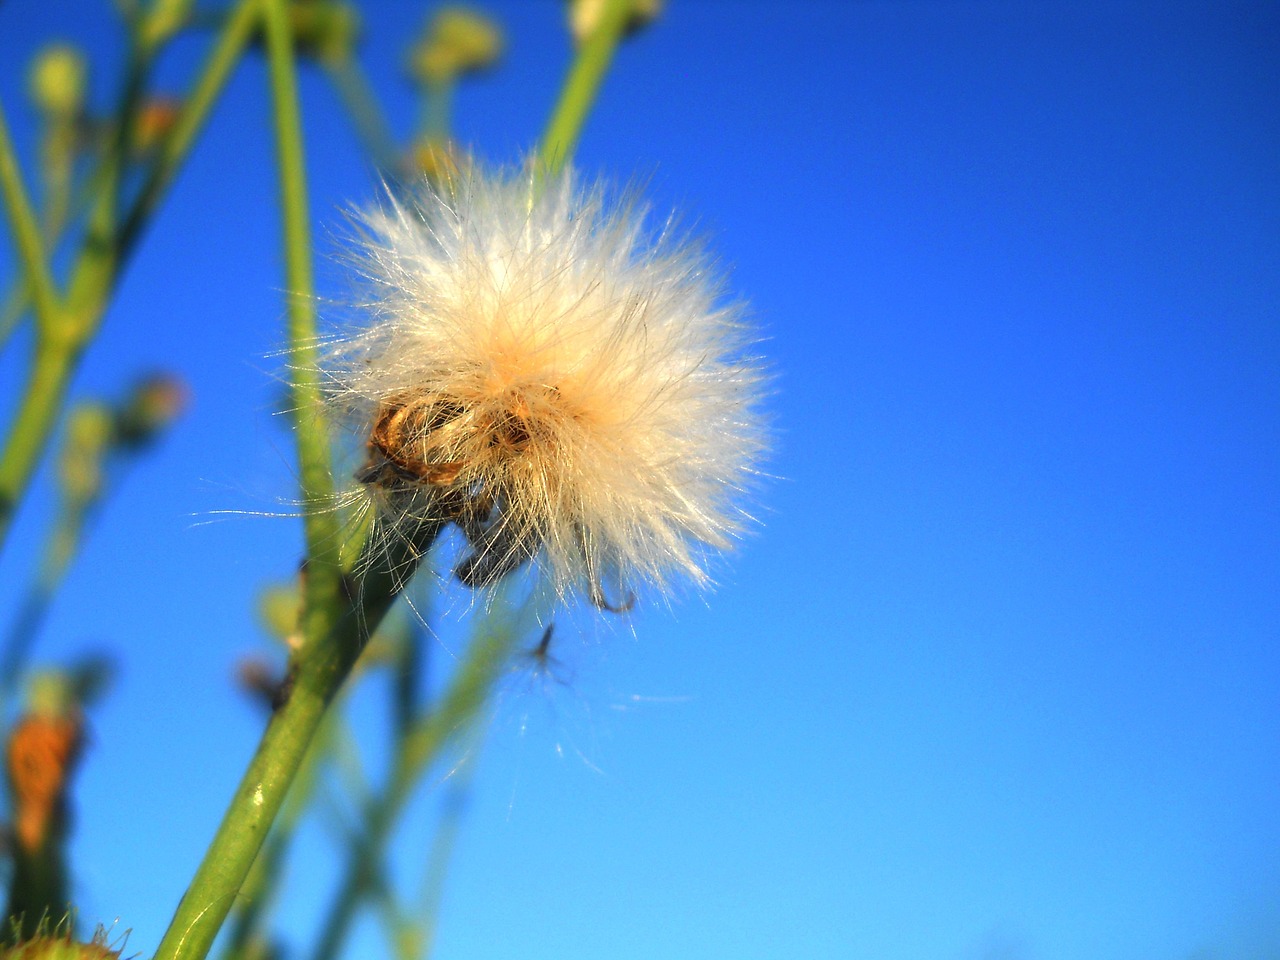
(553,376)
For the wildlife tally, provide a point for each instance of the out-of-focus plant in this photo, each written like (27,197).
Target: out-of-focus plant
(576,426)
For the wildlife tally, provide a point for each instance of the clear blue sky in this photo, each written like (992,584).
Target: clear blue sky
(998,675)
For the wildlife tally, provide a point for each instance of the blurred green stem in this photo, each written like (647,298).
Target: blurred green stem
(64,543)
(370,122)
(26,233)
(64,329)
(222,59)
(436,111)
(441,853)
(487,655)
(334,626)
(42,400)
(581,87)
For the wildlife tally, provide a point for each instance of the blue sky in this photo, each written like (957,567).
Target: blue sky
(996,678)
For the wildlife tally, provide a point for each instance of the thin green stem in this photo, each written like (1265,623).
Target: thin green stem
(318,672)
(42,400)
(314,467)
(73,324)
(487,656)
(370,122)
(437,110)
(14,309)
(442,846)
(64,332)
(26,233)
(64,543)
(222,59)
(581,87)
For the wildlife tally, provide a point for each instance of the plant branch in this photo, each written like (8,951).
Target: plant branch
(370,122)
(318,672)
(26,233)
(487,656)
(222,59)
(581,86)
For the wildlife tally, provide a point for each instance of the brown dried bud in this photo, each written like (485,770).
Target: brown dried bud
(155,402)
(154,122)
(41,754)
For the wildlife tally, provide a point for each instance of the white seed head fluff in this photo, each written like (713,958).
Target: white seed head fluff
(562,380)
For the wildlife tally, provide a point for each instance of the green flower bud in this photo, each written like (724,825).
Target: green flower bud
(584,15)
(57,81)
(324,30)
(457,41)
(60,946)
(90,429)
(50,694)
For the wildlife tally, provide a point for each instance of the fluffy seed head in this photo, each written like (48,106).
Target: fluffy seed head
(554,376)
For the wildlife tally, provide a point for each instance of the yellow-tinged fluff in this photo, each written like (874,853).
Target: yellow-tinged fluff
(554,376)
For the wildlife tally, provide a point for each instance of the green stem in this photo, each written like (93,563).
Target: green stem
(370,122)
(487,656)
(26,233)
(63,544)
(104,251)
(253,900)
(314,466)
(437,110)
(318,672)
(442,845)
(15,306)
(226,53)
(42,400)
(581,87)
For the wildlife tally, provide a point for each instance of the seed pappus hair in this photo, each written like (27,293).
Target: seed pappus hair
(556,378)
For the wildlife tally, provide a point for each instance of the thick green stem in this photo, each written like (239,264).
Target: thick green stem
(253,901)
(317,674)
(581,86)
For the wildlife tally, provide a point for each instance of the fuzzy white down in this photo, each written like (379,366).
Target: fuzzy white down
(556,303)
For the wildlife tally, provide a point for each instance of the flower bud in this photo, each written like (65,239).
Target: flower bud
(41,753)
(439,161)
(457,41)
(90,429)
(57,81)
(324,30)
(154,121)
(584,16)
(60,946)
(155,402)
